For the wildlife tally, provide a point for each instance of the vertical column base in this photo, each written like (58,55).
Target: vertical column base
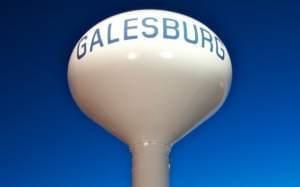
(150,164)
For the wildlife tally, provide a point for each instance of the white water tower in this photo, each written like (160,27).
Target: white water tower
(149,77)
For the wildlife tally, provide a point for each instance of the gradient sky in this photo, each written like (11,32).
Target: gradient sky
(254,140)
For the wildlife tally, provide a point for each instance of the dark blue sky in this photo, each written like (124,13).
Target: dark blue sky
(254,140)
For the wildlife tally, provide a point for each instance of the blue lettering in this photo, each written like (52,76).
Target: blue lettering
(127,27)
(222,55)
(167,27)
(96,40)
(208,39)
(109,38)
(195,40)
(153,27)
(82,46)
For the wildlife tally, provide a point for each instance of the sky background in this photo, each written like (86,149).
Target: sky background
(254,140)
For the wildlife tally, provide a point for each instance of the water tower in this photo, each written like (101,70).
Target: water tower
(149,77)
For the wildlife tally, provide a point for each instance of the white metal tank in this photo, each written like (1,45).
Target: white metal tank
(149,77)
